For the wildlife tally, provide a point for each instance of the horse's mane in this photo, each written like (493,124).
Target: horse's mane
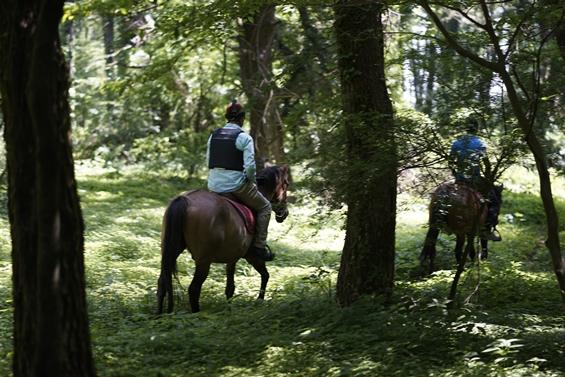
(271,173)
(271,178)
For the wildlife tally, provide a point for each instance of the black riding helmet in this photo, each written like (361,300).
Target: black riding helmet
(234,111)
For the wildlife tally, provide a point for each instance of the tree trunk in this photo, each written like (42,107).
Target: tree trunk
(256,66)
(315,40)
(418,84)
(560,39)
(68,37)
(431,57)
(51,336)
(108,28)
(108,34)
(367,262)
(546,194)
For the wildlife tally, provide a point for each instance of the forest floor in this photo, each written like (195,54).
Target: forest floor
(513,326)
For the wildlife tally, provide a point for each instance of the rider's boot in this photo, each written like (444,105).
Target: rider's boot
(265,253)
(491,234)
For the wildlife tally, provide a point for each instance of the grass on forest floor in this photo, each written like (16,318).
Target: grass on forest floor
(514,325)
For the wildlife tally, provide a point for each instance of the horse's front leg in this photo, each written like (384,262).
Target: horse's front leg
(460,241)
(200,275)
(230,283)
(261,268)
(484,249)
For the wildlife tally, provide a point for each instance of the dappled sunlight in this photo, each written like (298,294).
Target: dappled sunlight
(307,228)
(523,180)
(515,317)
(411,211)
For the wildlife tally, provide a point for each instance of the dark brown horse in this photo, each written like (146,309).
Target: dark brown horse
(458,209)
(213,231)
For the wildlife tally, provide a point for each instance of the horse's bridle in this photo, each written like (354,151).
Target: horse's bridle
(281,211)
(279,205)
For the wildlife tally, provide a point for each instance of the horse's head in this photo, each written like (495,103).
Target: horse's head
(273,183)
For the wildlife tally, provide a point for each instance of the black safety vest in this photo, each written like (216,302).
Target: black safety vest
(223,152)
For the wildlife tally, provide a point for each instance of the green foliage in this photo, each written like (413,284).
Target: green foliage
(181,150)
(513,327)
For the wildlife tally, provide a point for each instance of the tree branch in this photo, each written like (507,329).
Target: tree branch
(537,81)
(520,83)
(492,34)
(515,35)
(451,41)
(465,15)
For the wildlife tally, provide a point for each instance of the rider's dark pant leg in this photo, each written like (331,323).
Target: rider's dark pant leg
(250,196)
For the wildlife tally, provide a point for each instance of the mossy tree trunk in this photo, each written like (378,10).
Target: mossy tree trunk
(51,336)
(367,262)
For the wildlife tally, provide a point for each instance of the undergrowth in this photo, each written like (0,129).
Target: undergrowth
(512,325)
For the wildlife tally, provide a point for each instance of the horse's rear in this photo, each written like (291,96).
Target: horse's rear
(455,209)
(212,231)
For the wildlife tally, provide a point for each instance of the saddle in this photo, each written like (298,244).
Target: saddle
(479,196)
(247,215)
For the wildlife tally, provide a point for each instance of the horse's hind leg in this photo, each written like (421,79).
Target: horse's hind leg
(460,241)
(460,267)
(200,275)
(429,249)
(230,284)
(261,268)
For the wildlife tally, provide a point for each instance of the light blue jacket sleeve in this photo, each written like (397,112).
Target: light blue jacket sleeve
(244,142)
(208,152)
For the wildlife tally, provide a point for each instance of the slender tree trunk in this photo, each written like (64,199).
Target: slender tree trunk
(367,262)
(68,36)
(315,39)
(108,28)
(256,66)
(560,39)
(546,194)
(418,84)
(108,34)
(429,98)
(51,336)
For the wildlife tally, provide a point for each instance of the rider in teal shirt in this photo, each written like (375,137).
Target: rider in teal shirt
(231,160)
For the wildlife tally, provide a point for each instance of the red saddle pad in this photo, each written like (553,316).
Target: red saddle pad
(246,214)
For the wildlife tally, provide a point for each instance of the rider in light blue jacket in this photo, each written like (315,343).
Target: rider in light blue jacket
(231,160)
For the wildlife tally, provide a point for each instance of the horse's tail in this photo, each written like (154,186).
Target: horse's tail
(172,244)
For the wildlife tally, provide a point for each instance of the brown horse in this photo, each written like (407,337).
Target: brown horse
(213,231)
(455,208)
